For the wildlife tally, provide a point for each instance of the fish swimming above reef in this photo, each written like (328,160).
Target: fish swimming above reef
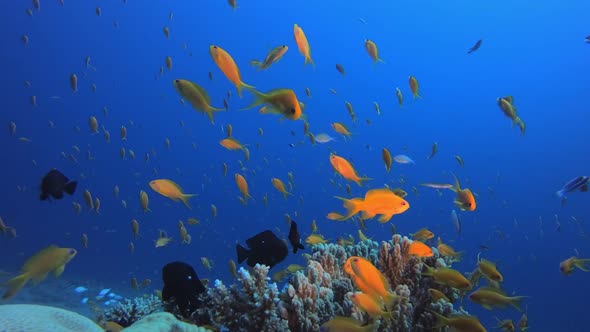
(54,184)
(264,248)
(181,287)
(294,237)
(580,183)
(51,259)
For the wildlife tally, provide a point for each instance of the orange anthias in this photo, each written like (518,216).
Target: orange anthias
(373,281)
(344,168)
(280,187)
(229,68)
(419,249)
(302,43)
(377,201)
(464,199)
(242,185)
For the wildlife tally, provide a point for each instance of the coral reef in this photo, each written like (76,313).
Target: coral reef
(163,322)
(250,305)
(313,296)
(32,317)
(130,311)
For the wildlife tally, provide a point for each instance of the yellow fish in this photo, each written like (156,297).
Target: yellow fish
(50,259)
(196,96)
(281,101)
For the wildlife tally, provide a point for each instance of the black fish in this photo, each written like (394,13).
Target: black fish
(264,248)
(54,184)
(580,183)
(294,237)
(475,47)
(181,287)
(587,40)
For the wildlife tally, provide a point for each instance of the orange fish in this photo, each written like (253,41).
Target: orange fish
(372,280)
(231,143)
(414,87)
(340,129)
(280,186)
(229,68)
(168,188)
(464,199)
(373,51)
(344,168)
(419,249)
(377,201)
(302,44)
(368,304)
(242,185)
(567,266)
(461,323)
(281,101)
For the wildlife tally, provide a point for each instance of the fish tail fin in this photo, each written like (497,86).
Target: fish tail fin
(308,59)
(243,253)
(243,85)
(457,186)
(260,99)
(441,321)
(70,187)
(391,299)
(185,199)
(429,271)
(15,284)
(583,264)
(352,206)
(360,181)
(515,302)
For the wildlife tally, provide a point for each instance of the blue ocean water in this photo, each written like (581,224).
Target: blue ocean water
(533,51)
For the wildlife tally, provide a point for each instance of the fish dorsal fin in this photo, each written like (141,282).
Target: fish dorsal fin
(201,91)
(509,99)
(493,290)
(457,186)
(30,261)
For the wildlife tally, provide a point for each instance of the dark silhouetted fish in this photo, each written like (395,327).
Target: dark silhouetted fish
(181,287)
(475,47)
(587,40)
(264,248)
(54,184)
(580,183)
(294,237)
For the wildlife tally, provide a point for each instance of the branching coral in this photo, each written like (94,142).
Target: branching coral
(130,311)
(249,306)
(322,290)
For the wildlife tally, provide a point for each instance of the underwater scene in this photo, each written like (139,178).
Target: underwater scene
(258,165)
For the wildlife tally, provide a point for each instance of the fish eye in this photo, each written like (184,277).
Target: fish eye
(292,110)
(403,203)
(177,81)
(72,251)
(214,46)
(469,204)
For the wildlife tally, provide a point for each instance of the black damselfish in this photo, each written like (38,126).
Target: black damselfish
(264,248)
(294,237)
(181,287)
(54,184)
